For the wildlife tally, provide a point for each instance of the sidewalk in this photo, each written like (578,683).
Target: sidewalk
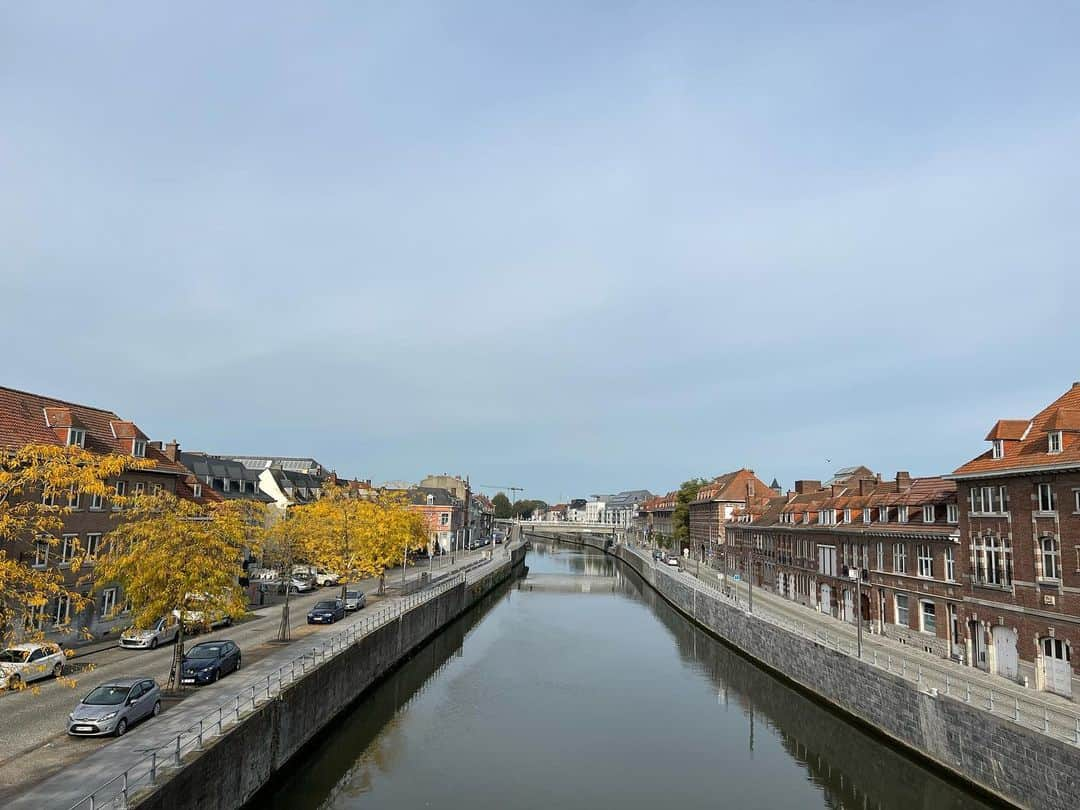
(1042,711)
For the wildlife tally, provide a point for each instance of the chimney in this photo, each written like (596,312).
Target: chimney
(804,487)
(171,450)
(866,485)
(903,480)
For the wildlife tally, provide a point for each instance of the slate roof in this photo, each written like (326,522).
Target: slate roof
(439,496)
(27,418)
(1030,448)
(207,467)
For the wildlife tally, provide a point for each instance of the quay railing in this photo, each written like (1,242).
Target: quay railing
(148,771)
(932,676)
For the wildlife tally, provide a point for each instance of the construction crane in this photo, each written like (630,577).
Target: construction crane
(511,490)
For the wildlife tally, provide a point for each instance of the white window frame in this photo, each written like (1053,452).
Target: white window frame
(109,598)
(1046,498)
(928,513)
(196,490)
(444,518)
(76,437)
(68,544)
(62,610)
(880,556)
(1053,442)
(901,514)
(952,513)
(883,514)
(121,492)
(950,564)
(924,555)
(984,499)
(847,516)
(990,561)
(998,449)
(97,503)
(923,605)
(93,545)
(138,488)
(906,609)
(866,514)
(138,448)
(899,558)
(1051,559)
(42,547)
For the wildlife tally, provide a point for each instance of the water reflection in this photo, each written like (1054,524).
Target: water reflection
(589,701)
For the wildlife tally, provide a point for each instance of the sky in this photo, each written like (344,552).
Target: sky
(570,247)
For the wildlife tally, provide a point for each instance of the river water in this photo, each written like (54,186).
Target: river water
(594,700)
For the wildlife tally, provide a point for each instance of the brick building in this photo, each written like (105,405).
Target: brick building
(27,418)
(445,515)
(657,514)
(714,505)
(899,539)
(1020,546)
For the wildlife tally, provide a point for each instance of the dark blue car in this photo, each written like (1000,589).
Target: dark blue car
(326,612)
(206,662)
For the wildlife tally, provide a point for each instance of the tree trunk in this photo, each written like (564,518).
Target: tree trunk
(284,627)
(382,583)
(177,657)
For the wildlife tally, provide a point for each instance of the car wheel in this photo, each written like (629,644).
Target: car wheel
(157,708)
(153,643)
(121,728)
(58,670)
(237,663)
(15,682)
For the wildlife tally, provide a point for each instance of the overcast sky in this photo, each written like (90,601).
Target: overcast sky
(573,247)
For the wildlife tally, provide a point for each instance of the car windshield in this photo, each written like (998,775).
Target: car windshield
(108,695)
(326,606)
(352,594)
(14,656)
(204,651)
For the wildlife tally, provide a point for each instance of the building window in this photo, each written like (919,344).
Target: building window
(138,488)
(35,617)
(41,553)
(444,519)
(1055,441)
(880,556)
(883,514)
(950,564)
(1076,497)
(827,560)
(989,500)
(1051,563)
(847,516)
(93,543)
(108,602)
(902,610)
(928,513)
(76,437)
(952,513)
(68,544)
(991,561)
(866,514)
(1046,497)
(196,490)
(138,448)
(121,492)
(899,558)
(48,499)
(219,483)
(928,617)
(901,514)
(925,556)
(999,448)
(62,614)
(96,502)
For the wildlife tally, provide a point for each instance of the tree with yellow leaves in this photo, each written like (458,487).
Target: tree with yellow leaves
(38,483)
(176,557)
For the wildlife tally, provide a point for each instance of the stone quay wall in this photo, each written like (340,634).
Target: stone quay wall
(1005,761)
(229,772)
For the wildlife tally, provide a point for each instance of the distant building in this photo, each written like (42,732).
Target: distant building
(444,514)
(575,510)
(715,503)
(658,513)
(454,484)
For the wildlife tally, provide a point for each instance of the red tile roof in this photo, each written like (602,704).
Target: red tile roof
(732,486)
(23,421)
(1034,449)
(1008,429)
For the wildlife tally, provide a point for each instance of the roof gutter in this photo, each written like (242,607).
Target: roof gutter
(1041,468)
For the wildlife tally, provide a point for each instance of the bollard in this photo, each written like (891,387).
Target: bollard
(124,787)
(1076,732)
(177,750)
(267,686)
(1016,710)
(918,675)
(253,696)
(1046,720)
(237,708)
(946,683)
(903,667)
(199,739)
(991,700)
(153,766)
(220,717)
(967,693)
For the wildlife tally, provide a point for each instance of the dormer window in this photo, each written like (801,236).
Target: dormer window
(138,448)
(805,517)
(928,513)
(847,516)
(196,490)
(76,437)
(901,514)
(1055,441)
(999,448)
(883,514)
(866,514)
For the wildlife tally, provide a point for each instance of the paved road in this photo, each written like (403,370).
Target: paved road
(33,740)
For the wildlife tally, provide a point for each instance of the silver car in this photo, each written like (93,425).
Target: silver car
(354,600)
(114,707)
(162,631)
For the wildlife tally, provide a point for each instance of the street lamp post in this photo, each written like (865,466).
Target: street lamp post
(858,607)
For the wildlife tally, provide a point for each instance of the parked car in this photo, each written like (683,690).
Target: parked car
(658,555)
(208,661)
(164,630)
(300,584)
(673,561)
(355,600)
(326,612)
(22,663)
(114,707)
(197,620)
(324,578)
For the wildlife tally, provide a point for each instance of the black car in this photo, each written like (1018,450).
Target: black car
(206,662)
(326,612)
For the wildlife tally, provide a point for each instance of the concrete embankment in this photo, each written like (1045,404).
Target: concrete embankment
(235,766)
(1002,760)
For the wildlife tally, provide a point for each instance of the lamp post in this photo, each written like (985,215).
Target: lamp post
(857,574)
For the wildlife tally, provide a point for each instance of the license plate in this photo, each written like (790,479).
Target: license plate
(187,680)
(82,728)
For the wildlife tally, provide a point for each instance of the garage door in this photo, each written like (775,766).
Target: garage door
(1057,671)
(1005,656)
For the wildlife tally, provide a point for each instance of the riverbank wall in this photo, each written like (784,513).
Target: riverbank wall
(1004,761)
(231,769)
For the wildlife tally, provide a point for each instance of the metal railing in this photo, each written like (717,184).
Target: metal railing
(146,772)
(933,676)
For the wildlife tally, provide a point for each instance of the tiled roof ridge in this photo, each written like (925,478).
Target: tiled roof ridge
(59,403)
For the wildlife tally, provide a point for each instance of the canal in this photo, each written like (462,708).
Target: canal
(589,700)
